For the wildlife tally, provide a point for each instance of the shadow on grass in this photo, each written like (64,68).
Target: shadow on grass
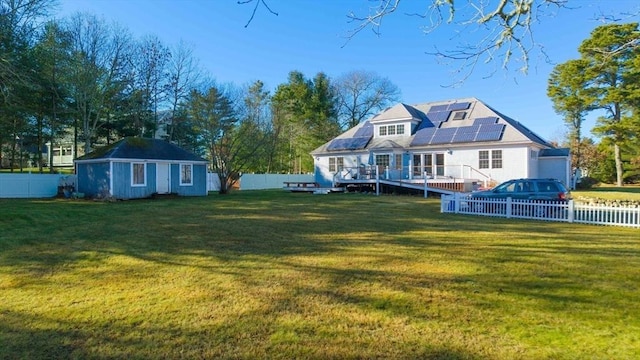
(350,250)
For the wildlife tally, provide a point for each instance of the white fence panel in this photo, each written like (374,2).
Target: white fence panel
(569,211)
(271,181)
(24,185)
(260,181)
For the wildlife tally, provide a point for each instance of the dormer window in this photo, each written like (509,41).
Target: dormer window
(391,130)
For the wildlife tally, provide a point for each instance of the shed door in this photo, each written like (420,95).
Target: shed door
(162,178)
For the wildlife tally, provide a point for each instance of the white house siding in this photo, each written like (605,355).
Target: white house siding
(468,162)
(555,168)
(324,177)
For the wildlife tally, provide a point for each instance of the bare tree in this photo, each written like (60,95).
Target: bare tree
(151,63)
(502,29)
(362,94)
(100,55)
(184,73)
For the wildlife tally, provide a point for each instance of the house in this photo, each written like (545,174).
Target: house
(459,145)
(138,168)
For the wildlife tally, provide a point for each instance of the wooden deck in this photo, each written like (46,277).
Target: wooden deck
(312,187)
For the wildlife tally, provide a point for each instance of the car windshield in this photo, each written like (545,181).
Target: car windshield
(506,187)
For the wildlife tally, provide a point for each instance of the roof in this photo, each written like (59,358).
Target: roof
(562,152)
(142,149)
(458,123)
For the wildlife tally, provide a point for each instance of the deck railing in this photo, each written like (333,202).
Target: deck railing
(547,210)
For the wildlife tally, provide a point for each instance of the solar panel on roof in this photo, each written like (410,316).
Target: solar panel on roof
(423,136)
(438,116)
(438,108)
(463,137)
(488,136)
(485,120)
(458,106)
(491,127)
(336,144)
(468,129)
(365,130)
(359,143)
(443,136)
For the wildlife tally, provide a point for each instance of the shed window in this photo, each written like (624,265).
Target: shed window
(186,174)
(138,174)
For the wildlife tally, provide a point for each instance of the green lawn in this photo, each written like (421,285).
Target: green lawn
(271,274)
(610,192)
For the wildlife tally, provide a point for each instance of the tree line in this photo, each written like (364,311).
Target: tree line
(605,78)
(84,77)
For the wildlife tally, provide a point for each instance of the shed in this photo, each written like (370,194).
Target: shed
(134,168)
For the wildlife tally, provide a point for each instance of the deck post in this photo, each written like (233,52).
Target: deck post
(426,193)
(377,181)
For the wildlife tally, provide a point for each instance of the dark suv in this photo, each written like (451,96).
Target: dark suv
(529,189)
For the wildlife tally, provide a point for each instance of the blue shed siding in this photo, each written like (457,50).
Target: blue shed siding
(93,179)
(122,188)
(199,187)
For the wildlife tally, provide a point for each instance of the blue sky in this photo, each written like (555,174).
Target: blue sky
(311,36)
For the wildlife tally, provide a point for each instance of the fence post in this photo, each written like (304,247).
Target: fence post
(456,205)
(508,209)
(570,211)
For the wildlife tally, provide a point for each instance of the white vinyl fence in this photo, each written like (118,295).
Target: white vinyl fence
(26,185)
(549,210)
(259,181)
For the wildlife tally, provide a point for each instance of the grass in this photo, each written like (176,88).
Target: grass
(611,192)
(271,274)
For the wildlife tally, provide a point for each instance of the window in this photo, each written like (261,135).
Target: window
(391,130)
(496,159)
(186,171)
(382,160)
(440,164)
(398,162)
(138,174)
(336,164)
(460,115)
(493,162)
(483,163)
(534,154)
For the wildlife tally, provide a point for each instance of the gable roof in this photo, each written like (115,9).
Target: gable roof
(142,149)
(399,112)
(458,122)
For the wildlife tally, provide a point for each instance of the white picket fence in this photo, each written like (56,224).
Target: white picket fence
(565,211)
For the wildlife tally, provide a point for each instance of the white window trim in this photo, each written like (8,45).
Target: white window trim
(144,174)
(191,172)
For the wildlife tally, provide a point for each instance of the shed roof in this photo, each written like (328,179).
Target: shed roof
(142,148)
